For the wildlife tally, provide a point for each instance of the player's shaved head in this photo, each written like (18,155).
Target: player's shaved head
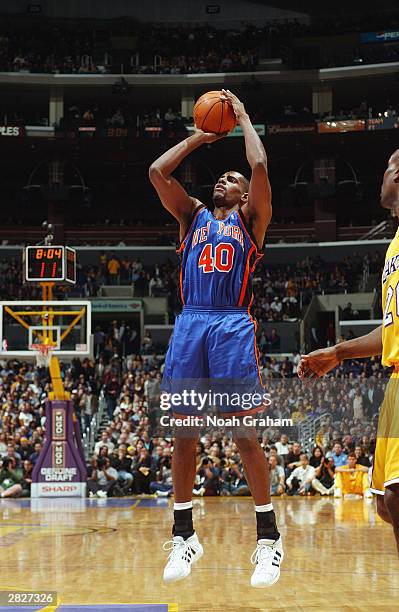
(244,181)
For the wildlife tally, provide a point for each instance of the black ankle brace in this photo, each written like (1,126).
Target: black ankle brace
(266,526)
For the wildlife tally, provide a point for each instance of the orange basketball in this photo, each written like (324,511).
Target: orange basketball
(212,114)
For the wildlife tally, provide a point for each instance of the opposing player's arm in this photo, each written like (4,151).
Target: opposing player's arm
(322,361)
(171,193)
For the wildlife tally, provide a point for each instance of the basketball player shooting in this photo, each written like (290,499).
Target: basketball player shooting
(382,341)
(214,337)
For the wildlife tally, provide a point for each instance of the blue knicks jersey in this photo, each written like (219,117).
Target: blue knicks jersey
(217,261)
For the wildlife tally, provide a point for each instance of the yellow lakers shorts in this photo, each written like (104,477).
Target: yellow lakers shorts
(386,457)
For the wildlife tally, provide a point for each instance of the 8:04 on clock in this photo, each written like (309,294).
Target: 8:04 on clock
(50,263)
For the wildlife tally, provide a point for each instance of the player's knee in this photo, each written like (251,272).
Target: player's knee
(382,509)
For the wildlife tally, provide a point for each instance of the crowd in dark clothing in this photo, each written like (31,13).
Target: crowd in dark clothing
(52,47)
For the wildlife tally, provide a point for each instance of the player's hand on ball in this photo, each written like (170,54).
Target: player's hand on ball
(238,106)
(317,363)
(208,137)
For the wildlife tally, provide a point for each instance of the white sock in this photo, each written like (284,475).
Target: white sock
(265,508)
(183,505)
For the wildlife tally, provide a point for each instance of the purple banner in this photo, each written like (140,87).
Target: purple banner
(60,469)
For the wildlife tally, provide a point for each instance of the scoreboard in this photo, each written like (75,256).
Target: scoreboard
(50,263)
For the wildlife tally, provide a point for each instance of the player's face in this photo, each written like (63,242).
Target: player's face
(390,184)
(229,190)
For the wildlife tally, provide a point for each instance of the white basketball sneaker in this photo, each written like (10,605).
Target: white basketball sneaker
(267,558)
(183,554)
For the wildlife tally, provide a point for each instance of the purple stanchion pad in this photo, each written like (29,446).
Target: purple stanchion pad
(60,470)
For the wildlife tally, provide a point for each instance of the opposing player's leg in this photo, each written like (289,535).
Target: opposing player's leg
(385,476)
(391,499)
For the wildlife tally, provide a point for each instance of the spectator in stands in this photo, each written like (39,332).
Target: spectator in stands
(104,441)
(3,443)
(163,486)
(277,477)
(347,313)
(10,478)
(282,446)
(232,478)
(123,465)
(117,120)
(361,458)
(273,453)
(26,478)
(292,458)
(274,341)
(338,456)
(300,480)
(358,412)
(143,472)
(88,406)
(169,115)
(12,454)
(323,481)
(208,478)
(276,306)
(24,448)
(103,478)
(36,452)
(25,416)
(352,478)
(113,267)
(111,388)
(88,118)
(147,345)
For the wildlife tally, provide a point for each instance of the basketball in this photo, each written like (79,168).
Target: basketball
(212,114)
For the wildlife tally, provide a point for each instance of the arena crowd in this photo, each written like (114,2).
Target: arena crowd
(280,292)
(53,47)
(133,453)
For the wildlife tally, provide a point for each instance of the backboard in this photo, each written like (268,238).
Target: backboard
(66,325)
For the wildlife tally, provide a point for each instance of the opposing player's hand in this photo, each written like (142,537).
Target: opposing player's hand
(238,106)
(208,137)
(317,363)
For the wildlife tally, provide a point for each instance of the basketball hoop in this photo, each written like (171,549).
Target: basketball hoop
(44,352)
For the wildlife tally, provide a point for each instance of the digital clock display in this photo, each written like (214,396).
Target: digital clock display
(50,263)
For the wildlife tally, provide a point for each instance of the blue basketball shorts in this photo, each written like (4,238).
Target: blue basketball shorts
(213,352)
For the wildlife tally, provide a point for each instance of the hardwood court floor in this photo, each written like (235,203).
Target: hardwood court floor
(339,555)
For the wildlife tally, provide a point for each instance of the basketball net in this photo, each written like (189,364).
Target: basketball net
(43,354)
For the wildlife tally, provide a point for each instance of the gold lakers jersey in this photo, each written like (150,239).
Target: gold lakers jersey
(390,305)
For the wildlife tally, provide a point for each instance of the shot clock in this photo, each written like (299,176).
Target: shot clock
(50,263)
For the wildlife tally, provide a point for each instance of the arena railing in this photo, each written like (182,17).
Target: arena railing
(307,430)
(322,75)
(90,434)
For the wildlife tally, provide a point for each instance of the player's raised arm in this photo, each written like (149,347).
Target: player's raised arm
(259,205)
(171,193)
(318,363)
